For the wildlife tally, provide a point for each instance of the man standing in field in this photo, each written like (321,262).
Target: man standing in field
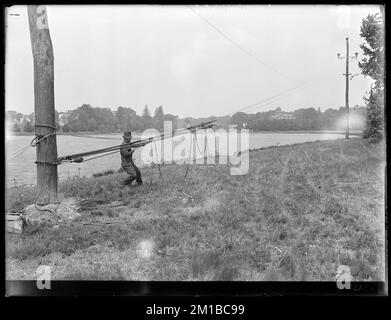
(127,161)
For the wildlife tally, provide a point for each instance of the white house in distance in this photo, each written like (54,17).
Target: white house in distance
(63,118)
(27,118)
(281,115)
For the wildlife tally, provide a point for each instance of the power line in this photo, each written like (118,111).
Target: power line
(271,99)
(235,44)
(274,100)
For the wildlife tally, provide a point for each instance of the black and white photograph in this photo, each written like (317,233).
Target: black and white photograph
(195,144)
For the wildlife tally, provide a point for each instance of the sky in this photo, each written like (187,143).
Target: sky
(193,60)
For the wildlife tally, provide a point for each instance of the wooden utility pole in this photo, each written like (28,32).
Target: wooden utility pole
(44,104)
(347,74)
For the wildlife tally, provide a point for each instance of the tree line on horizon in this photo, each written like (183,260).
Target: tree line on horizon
(103,120)
(95,119)
(305,119)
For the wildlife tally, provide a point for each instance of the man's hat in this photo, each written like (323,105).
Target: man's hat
(127,134)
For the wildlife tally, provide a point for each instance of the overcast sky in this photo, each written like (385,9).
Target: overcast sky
(110,56)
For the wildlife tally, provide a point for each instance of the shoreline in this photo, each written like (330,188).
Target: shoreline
(13,134)
(352,133)
(86,133)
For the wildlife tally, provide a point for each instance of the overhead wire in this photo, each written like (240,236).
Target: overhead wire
(270,99)
(18,153)
(190,152)
(245,51)
(88,136)
(134,144)
(103,155)
(36,140)
(248,53)
(158,162)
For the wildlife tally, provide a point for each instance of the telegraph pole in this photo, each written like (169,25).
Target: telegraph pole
(45,129)
(347,74)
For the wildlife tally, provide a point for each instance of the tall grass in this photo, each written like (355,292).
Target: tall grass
(298,214)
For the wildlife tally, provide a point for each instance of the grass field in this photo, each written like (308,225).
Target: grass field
(299,213)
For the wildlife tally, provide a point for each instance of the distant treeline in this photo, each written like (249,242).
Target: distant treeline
(87,118)
(301,119)
(103,120)
(94,119)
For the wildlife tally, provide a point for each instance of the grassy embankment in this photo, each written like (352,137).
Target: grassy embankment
(299,213)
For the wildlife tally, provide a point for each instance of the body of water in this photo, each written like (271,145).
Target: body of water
(22,169)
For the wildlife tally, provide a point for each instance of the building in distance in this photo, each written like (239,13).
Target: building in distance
(278,114)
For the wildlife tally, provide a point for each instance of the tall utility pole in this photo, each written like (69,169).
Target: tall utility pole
(347,74)
(45,129)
